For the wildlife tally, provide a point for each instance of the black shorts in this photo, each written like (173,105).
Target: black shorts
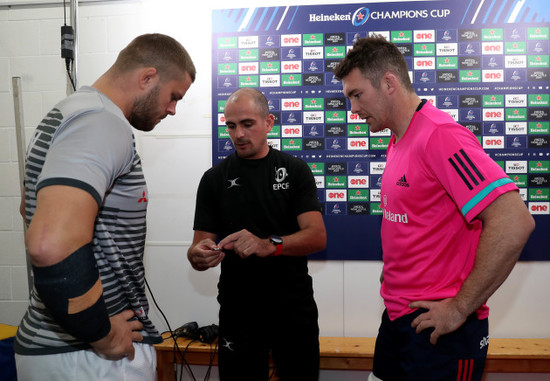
(249,333)
(402,354)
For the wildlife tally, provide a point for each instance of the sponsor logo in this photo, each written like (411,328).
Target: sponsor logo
(358,182)
(314,17)
(493,142)
(493,76)
(336,182)
(246,42)
(335,38)
(248,68)
(492,34)
(313,79)
(539,142)
(312,39)
(313,117)
(357,208)
(377,167)
(539,207)
(336,168)
(280,176)
(314,144)
(395,217)
(360,16)
(494,114)
(291,104)
(292,144)
(447,76)
(313,52)
(291,40)
(516,128)
(291,131)
(335,130)
(269,54)
(270,80)
(358,144)
(470,100)
(516,166)
(469,34)
(317,168)
(402,182)
(270,67)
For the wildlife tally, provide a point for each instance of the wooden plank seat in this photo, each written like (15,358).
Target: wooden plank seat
(356,353)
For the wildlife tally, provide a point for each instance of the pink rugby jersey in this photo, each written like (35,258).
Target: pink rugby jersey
(436,181)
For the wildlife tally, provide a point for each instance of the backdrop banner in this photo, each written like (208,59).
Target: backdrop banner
(484,62)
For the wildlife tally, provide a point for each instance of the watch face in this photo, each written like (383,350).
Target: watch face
(276,240)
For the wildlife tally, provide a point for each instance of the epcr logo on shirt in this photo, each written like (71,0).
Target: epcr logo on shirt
(280,175)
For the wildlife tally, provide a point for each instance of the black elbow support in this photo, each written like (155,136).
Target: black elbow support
(71,290)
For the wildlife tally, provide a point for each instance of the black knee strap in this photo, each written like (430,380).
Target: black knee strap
(71,290)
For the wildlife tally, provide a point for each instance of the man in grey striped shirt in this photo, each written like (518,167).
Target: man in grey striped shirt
(85,205)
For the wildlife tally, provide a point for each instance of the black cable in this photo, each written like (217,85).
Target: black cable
(67,45)
(174,337)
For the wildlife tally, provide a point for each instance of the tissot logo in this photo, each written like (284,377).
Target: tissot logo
(312,52)
(312,117)
(246,42)
(270,81)
(516,128)
(516,166)
(377,168)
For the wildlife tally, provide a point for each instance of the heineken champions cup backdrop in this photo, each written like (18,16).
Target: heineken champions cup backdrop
(485,62)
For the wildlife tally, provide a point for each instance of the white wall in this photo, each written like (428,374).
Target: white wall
(174,157)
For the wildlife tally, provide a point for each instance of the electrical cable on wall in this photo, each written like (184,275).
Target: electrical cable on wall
(67,45)
(192,331)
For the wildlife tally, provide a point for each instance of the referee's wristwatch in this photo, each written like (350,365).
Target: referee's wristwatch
(278,242)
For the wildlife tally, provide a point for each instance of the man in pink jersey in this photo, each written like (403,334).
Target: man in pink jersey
(453,224)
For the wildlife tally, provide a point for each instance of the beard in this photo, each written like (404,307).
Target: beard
(144,113)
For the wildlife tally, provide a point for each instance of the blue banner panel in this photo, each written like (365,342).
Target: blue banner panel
(485,62)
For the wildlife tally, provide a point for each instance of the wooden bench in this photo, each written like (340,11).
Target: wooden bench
(356,353)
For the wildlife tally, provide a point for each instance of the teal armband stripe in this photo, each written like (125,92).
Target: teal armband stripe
(71,291)
(481,195)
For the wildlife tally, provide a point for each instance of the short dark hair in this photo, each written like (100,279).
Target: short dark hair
(156,50)
(257,96)
(374,56)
